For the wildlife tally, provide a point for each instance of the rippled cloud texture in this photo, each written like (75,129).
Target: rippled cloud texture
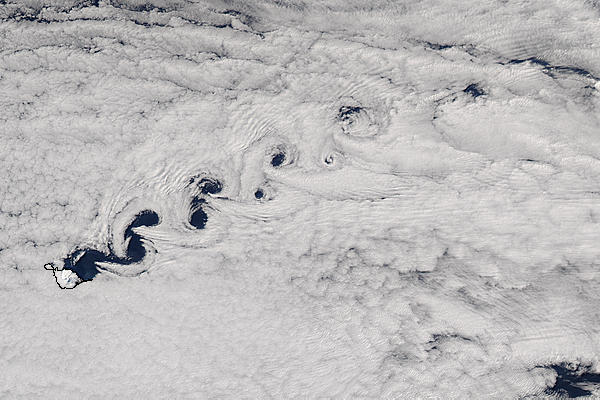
(251,200)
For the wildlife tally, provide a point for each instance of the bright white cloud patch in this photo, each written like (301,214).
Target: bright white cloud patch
(297,200)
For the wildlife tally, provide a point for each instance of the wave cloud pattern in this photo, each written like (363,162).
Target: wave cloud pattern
(293,199)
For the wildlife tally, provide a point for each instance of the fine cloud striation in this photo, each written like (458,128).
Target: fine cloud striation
(299,199)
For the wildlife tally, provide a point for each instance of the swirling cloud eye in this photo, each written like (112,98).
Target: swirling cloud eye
(198,217)
(81,265)
(333,159)
(278,159)
(206,186)
(282,155)
(135,248)
(264,192)
(358,121)
(210,186)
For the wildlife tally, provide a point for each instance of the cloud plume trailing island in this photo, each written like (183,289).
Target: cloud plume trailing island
(293,199)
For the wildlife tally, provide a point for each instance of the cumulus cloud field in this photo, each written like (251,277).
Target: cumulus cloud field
(299,199)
